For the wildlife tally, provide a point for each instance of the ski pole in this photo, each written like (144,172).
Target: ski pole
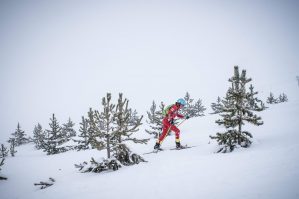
(181,122)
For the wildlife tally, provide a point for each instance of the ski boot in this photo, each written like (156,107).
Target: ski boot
(157,146)
(178,145)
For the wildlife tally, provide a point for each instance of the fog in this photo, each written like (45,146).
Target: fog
(62,57)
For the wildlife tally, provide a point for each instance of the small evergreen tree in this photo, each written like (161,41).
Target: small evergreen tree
(19,136)
(125,128)
(115,125)
(155,118)
(39,137)
(68,130)
(282,98)
(110,129)
(1,164)
(3,152)
(12,147)
(254,103)
(104,123)
(297,77)
(192,108)
(55,138)
(271,99)
(237,108)
(96,136)
(85,141)
(217,107)
(134,118)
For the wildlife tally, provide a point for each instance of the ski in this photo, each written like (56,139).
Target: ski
(182,147)
(154,151)
(160,150)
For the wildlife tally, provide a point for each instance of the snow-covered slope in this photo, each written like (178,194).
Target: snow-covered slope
(268,169)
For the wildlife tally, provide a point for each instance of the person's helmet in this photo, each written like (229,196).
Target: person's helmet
(181,101)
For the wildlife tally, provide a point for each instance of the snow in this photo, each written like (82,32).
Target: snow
(65,62)
(268,169)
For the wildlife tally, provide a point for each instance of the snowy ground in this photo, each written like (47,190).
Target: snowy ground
(268,169)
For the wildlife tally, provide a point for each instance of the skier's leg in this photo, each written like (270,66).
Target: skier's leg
(162,136)
(177,136)
(166,129)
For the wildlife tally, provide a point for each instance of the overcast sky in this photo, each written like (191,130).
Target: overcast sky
(63,56)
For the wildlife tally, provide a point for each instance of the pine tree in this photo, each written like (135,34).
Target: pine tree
(134,118)
(110,129)
(282,98)
(114,125)
(271,99)
(125,128)
(297,77)
(255,103)
(19,136)
(1,164)
(55,138)
(68,130)
(217,107)
(39,136)
(85,141)
(192,108)
(104,125)
(155,118)
(96,136)
(3,152)
(12,148)
(237,108)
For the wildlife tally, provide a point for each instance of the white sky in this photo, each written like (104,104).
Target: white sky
(63,56)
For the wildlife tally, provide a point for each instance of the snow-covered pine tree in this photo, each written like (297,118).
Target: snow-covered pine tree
(125,128)
(3,154)
(109,129)
(12,147)
(83,142)
(255,103)
(39,136)
(133,119)
(155,118)
(1,164)
(95,135)
(235,111)
(68,130)
(55,138)
(127,122)
(271,99)
(217,107)
(193,108)
(104,125)
(3,151)
(297,77)
(282,98)
(19,136)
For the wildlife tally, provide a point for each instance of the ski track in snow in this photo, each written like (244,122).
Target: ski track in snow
(268,169)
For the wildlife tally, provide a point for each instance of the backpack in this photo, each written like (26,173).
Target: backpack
(166,109)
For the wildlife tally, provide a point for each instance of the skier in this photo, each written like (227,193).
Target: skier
(168,123)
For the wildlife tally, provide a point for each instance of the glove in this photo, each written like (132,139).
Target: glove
(187,117)
(171,121)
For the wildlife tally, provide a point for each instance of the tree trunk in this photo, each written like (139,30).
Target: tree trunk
(108,145)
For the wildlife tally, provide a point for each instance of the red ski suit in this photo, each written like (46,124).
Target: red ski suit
(167,126)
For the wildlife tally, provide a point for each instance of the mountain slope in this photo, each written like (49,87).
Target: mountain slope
(268,169)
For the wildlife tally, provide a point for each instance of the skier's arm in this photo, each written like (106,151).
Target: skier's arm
(180,116)
(173,112)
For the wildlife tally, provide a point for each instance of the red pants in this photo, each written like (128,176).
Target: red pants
(167,127)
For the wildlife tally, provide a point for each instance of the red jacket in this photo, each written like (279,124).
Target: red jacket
(172,113)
